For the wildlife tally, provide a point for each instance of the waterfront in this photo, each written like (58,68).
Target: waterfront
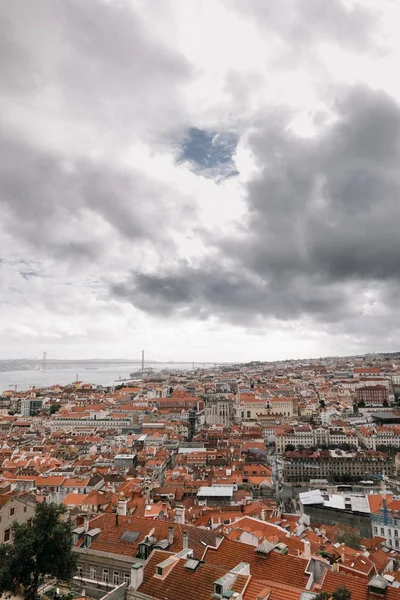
(105,375)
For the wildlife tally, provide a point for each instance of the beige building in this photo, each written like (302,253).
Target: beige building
(20,509)
(253,407)
(219,412)
(112,549)
(303,466)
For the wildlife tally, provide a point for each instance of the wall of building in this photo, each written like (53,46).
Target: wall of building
(331,516)
(15,510)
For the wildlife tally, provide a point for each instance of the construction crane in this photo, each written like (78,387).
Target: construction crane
(31,386)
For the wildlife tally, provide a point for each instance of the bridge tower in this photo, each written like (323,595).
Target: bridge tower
(142,360)
(44,361)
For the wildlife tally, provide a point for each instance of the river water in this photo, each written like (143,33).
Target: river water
(104,375)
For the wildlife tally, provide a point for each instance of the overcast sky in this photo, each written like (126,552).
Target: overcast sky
(204,179)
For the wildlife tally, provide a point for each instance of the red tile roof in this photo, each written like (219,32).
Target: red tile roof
(109,540)
(183,584)
(275,566)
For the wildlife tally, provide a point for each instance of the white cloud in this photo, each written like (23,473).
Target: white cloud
(96,98)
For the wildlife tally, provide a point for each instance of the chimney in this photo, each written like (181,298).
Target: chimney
(86,523)
(136,576)
(170,535)
(180,515)
(185,540)
(116,519)
(307,549)
(122,507)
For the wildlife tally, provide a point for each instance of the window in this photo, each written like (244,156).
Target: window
(127,579)
(159,571)
(396,543)
(7,535)
(29,522)
(12,511)
(80,570)
(116,578)
(93,572)
(24,509)
(376,530)
(396,533)
(382,531)
(105,575)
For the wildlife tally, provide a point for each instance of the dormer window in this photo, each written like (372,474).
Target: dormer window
(159,571)
(218,589)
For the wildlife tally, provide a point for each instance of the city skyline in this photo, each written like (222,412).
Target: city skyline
(215,181)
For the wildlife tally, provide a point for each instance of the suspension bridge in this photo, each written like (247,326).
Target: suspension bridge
(139,361)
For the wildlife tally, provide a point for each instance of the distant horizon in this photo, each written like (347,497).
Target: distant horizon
(236,199)
(188,361)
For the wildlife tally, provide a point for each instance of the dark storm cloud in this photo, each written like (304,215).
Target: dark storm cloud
(328,205)
(81,80)
(58,203)
(95,59)
(322,225)
(233,295)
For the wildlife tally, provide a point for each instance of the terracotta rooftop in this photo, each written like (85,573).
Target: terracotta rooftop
(109,540)
(183,584)
(274,565)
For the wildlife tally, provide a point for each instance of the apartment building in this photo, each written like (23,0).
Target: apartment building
(251,406)
(375,436)
(31,406)
(307,437)
(59,423)
(373,395)
(385,520)
(301,435)
(18,508)
(328,464)
(112,548)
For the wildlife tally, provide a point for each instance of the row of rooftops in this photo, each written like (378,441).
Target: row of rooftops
(147,472)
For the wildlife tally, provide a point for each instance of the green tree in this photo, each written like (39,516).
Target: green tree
(342,593)
(54,408)
(38,550)
(349,538)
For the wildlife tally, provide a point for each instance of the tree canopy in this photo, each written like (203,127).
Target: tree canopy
(44,548)
(349,538)
(342,593)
